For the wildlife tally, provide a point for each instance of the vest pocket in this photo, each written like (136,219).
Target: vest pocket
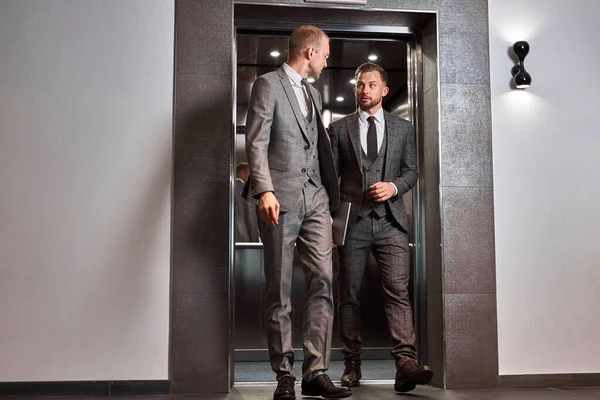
(278,165)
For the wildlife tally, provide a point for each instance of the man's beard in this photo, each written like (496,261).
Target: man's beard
(370,105)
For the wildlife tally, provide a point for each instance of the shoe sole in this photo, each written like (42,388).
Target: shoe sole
(350,384)
(405,386)
(285,397)
(333,396)
(418,378)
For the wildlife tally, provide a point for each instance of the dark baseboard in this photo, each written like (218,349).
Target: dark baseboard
(90,388)
(548,380)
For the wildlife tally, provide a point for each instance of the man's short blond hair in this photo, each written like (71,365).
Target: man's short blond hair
(303,38)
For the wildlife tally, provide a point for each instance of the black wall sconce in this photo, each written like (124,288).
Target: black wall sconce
(521,77)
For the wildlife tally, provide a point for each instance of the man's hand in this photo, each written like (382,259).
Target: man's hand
(381,191)
(268,208)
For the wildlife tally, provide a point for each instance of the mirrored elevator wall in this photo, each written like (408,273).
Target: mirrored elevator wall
(259,52)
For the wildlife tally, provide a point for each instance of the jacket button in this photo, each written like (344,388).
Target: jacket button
(303,170)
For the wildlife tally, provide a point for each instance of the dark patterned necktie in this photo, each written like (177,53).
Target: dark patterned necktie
(307,99)
(372,140)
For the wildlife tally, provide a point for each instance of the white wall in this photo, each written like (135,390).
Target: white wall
(85,188)
(546,143)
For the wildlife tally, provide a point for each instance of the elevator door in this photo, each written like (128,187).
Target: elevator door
(259,52)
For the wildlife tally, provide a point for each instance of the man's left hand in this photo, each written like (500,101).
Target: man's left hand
(381,191)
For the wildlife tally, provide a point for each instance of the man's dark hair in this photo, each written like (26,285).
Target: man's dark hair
(371,67)
(242,167)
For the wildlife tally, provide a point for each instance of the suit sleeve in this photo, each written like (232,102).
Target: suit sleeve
(333,138)
(261,108)
(408,173)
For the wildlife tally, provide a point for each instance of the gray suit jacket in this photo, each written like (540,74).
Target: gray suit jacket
(277,144)
(400,162)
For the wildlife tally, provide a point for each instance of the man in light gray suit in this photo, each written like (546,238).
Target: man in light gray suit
(374,152)
(295,182)
(245,219)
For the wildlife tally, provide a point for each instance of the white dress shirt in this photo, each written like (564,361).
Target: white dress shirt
(363,126)
(295,80)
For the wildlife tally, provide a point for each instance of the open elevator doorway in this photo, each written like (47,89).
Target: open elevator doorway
(261,49)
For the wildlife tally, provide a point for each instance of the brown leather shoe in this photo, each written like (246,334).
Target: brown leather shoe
(285,389)
(352,373)
(322,386)
(410,374)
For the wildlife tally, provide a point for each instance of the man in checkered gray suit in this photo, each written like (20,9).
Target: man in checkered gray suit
(374,152)
(294,180)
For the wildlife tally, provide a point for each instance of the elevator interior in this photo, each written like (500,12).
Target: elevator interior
(261,50)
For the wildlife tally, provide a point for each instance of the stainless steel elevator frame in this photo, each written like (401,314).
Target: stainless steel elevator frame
(415,100)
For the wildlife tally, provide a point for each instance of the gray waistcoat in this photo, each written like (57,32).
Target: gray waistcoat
(313,171)
(373,173)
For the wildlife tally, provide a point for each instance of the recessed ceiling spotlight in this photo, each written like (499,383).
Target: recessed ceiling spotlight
(353,81)
(372,57)
(311,80)
(339,98)
(275,53)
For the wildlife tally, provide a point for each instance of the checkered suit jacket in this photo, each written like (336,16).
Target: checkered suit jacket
(400,162)
(277,142)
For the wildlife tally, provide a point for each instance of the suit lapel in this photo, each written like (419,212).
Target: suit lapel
(291,95)
(392,141)
(354,134)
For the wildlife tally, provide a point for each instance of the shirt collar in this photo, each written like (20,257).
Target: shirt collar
(363,115)
(292,74)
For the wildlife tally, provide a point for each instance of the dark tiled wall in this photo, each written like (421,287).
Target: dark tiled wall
(469,270)
(202,156)
(461,286)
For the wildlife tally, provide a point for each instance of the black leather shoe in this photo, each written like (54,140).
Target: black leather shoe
(321,385)
(285,389)
(411,374)
(352,373)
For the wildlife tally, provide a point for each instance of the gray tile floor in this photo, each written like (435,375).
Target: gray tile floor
(378,385)
(369,391)
(386,392)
